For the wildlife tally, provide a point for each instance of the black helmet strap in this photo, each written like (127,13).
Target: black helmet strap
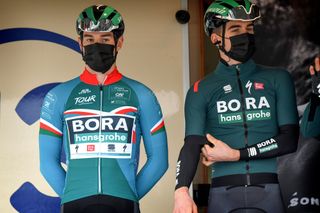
(223,35)
(222,46)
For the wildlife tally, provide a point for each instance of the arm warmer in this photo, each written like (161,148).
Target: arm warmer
(285,142)
(188,160)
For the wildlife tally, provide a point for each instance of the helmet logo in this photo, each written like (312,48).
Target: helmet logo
(94,26)
(221,11)
(100,5)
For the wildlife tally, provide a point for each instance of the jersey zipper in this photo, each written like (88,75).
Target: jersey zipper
(100,120)
(245,125)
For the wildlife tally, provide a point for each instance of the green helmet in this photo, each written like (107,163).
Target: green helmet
(100,18)
(222,11)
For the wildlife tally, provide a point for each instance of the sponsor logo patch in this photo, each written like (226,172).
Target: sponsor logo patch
(267,145)
(227,89)
(248,86)
(84,91)
(119,95)
(256,110)
(178,171)
(298,201)
(105,136)
(83,100)
(49,105)
(90,148)
(252,152)
(258,86)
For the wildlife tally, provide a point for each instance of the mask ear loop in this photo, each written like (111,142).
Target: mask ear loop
(223,36)
(223,43)
(116,39)
(82,49)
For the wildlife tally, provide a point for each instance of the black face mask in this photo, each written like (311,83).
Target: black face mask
(99,57)
(242,47)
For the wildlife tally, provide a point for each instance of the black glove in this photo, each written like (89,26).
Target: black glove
(316,84)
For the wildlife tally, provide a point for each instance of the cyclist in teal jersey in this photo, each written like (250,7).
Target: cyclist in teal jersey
(242,116)
(310,124)
(98,119)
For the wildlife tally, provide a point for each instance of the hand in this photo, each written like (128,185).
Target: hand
(220,152)
(315,76)
(183,203)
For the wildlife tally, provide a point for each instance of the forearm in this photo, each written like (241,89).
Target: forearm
(152,171)
(284,143)
(188,160)
(50,166)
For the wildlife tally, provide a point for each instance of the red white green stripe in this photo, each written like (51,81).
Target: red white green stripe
(158,127)
(48,129)
(82,112)
(134,135)
(124,110)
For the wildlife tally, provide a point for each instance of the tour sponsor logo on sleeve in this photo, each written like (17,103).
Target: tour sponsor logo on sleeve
(267,145)
(108,136)
(178,171)
(49,103)
(252,151)
(264,146)
(256,110)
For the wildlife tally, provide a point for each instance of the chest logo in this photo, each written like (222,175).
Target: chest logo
(105,136)
(84,91)
(85,100)
(258,86)
(248,86)
(231,111)
(227,89)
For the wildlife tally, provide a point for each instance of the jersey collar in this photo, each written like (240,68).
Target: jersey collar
(244,68)
(90,78)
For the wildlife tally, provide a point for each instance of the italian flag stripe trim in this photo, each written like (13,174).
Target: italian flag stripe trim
(124,110)
(159,127)
(44,125)
(82,112)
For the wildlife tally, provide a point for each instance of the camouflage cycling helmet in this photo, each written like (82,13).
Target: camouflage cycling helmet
(100,18)
(222,11)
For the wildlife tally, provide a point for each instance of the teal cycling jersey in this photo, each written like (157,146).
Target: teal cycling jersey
(310,124)
(100,128)
(242,105)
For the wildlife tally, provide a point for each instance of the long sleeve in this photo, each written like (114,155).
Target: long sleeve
(195,119)
(50,143)
(286,140)
(155,142)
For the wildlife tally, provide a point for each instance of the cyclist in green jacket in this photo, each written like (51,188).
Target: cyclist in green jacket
(241,116)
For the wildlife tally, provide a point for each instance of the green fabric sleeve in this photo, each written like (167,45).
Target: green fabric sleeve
(286,99)
(195,113)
